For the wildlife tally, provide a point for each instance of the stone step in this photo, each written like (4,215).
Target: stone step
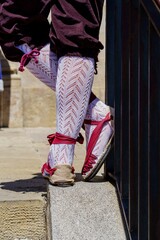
(88,211)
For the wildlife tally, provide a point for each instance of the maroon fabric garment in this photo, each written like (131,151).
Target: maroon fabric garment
(23,21)
(74,29)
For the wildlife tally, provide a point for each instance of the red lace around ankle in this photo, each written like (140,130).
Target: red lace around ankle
(33,54)
(50,171)
(58,138)
(47,169)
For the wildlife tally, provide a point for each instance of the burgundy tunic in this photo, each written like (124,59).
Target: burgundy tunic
(74,29)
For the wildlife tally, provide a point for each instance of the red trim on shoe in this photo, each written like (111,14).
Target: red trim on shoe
(47,171)
(89,164)
(90,158)
(33,54)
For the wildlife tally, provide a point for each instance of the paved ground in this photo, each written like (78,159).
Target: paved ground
(22,189)
(84,211)
(22,153)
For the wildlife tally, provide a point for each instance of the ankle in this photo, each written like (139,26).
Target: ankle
(97,110)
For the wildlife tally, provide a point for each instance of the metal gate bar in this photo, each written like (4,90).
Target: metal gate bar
(133,89)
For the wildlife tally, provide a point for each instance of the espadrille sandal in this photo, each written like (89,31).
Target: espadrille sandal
(93,163)
(63,174)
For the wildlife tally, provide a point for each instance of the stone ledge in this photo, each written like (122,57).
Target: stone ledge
(88,211)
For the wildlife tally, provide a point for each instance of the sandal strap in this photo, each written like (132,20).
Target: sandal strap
(46,168)
(58,138)
(33,54)
(96,133)
(91,122)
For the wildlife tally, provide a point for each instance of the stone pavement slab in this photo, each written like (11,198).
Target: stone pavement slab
(20,164)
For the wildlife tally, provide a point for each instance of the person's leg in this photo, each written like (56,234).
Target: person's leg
(46,71)
(74,82)
(45,68)
(75,31)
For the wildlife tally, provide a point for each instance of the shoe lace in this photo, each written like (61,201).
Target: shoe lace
(50,171)
(89,164)
(58,138)
(33,54)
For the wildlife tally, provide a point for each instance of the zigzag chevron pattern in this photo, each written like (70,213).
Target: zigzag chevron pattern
(46,68)
(74,82)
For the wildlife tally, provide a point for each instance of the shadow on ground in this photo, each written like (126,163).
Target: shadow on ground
(35,184)
(39,184)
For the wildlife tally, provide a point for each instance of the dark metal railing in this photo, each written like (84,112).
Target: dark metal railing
(133,89)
